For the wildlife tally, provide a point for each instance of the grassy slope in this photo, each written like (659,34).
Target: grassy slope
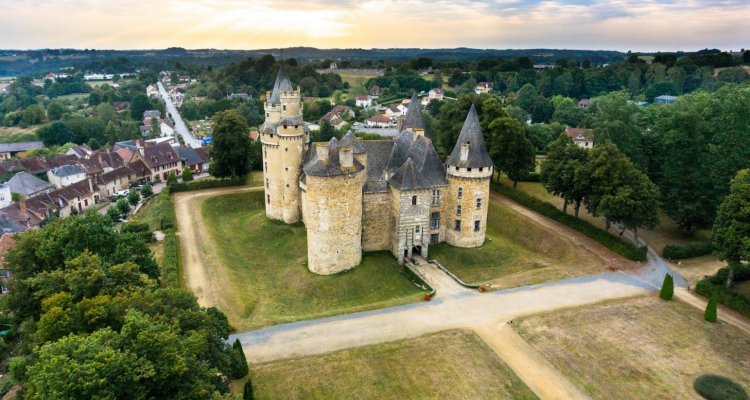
(641,348)
(149,213)
(517,252)
(266,262)
(445,365)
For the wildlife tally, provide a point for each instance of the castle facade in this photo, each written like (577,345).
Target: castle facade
(358,195)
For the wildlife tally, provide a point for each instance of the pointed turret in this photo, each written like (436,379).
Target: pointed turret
(282,84)
(413,120)
(470,150)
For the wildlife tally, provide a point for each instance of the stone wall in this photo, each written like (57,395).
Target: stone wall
(376,221)
(410,223)
(473,189)
(272,179)
(333,208)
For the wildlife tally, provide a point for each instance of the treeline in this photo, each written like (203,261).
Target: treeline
(101,325)
(251,110)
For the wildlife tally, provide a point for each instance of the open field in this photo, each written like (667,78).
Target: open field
(517,251)
(639,348)
(10,134)
(263,263)
(447,365)
(356,78)
(109,82)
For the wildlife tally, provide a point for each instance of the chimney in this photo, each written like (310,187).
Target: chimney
(465,151)
(346,158)
(91,186)
(321,150)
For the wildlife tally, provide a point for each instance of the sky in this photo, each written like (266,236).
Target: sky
(637,25)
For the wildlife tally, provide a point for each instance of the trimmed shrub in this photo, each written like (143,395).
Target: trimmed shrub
(710,314)
(716,285)
(715,387)
(207,184)
(613,243)
(667,288)
(689,250)
(239,362)
(139,229)
(166,212)
(247,393)
(147,190)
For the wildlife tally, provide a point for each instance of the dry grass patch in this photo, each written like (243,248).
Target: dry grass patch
(517,252)
(694,269)
(446,365)
(639,348)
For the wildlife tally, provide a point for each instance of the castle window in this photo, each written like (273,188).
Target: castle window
(468,169)
(287,185)
(286,168)
(286,149)
(416,230)
(457,226)
(476,226)
(460,193)
(267,185)
(265,166)
(268,115)
(435,220)
(414,200)
(479,203)
(436,197)
(434,238)
(268,198)
(284,108)
(480,169)
(458,209)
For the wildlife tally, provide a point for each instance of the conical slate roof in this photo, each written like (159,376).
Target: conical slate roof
(471,133)
(282,84)
(413,118)
(355,143)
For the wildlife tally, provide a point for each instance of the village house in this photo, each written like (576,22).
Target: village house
(375,92)
(7,242)
(379,121)
(116,180)
(79,151)
(148,114)
(483,87)
(196,159)
(160,159)
(28,185)
(581,136)
(395,111)
(66,175)
(120,106)
(8,150)
(435,94)
(363,101)
(665,99)
(152,91)
(5,195)
(584,103)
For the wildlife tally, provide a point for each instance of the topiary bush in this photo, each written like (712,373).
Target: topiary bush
(247,393)
(239,362)
(688,250)
(667,288)
(710,314)
(715,387)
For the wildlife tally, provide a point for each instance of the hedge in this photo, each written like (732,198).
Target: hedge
(139,229)
(170,269)
(716,387)
(207,184)
(613,243)
(165,212)
(716,284)
(688,250)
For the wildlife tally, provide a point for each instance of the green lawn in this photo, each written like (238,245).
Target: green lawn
(446,365)
(517,252)
(638,348)
(151,212)
(266,262)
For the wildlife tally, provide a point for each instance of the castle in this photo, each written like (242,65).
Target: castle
(358,195)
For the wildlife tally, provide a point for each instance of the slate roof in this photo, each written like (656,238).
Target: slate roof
(413,118)
(20,146)
(67,170)
(27,184)
(349,140)
(159,154)
(471,133)
(62,159)
(317,167)
(188,155)
(282,84)
(148,114)
(116,173)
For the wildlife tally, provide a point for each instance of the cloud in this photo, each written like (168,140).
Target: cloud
(598,24)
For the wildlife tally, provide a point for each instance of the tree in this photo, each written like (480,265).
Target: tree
(56,133)
(526,97)
(661,88)
(146,190)
(247,392)
(187,174)
(133,197)
(171,179)
(732,226)
(55,110)
(608,169)
(113,213)
(710,314)
(123,207)
(231,145)
(667,288)
(634,203)
(510,150)
(138,104)
(155,128)
(565,172)
(617,120)
(239,362)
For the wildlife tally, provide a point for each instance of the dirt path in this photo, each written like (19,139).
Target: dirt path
(202,272)
(724,314)
(538,373)
(578,238)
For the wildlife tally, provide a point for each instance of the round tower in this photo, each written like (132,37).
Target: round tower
(469,170)
(333,209)
(284,138)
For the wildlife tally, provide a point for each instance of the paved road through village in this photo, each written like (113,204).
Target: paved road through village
(179,125)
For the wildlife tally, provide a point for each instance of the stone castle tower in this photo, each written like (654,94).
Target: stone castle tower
(284,138)
(469,170)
